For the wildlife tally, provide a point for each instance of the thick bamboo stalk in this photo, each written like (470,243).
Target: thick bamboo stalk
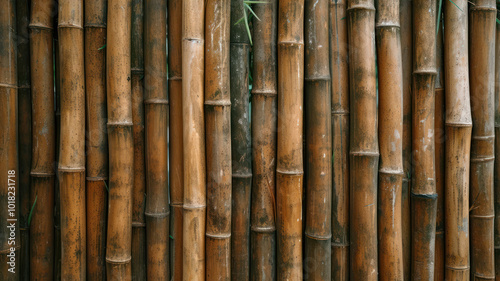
(390,76)
(340,139)
(497,153)
(139,190)
(72,137)
(97,140)
(458,139)
(482,85)
(289,168)
(318,136)
(120,140)
(9,187)
(364,154)
(193,41)
(264,114)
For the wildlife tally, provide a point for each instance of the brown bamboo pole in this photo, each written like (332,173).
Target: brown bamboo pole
(264,114)
(72,137)
(340,139)
(97,142)
(482,86)
(458,139)
(193,19)
(318,136)
(139,190)
(497,153)
(120,140)
(43,128)
(289,169)
(9,162)
(364,154)
(390,77)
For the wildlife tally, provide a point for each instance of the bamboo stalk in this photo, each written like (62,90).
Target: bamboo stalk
(193,263)
(72,136)
(318,136)
(289,169)
(364,141)
(482,83)
(139,198)
(264,110)
(9,162)
(497,153)
(390,77)
(120,140)
(458,133)
(97,143)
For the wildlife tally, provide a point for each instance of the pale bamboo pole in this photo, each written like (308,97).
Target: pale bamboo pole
(497,153)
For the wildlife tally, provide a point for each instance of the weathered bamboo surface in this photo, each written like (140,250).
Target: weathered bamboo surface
(497,154)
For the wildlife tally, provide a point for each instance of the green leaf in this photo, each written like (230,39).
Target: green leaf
(248,28)
(342,18)
(171,237)
(240,20)
(455,5)
(31,211)
(102,47)
(255,2)
(498,21)
(439,16)
(251,11)
(106,185)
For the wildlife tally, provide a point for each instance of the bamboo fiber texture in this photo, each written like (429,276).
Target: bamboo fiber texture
(72,141)
(497,154)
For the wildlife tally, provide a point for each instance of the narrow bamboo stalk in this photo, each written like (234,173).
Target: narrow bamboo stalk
(176,142)
(9,162)
(364,141)
(458,129)
(139,190)
(390,77)
(193,41)
(264,114)
(121,141)
(72,137)
(318,136)
(482,85)
(497,152)
(289,169)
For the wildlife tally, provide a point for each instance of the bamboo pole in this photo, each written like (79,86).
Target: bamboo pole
(43,128)
(139,190)
(390,77)
(458,128)
(193,263)
(497,153)
(364,141)
(9,162)
(121,142)
(482,83)
(318,136)
(289,169)
(264,110)
(97,143)
(72,136)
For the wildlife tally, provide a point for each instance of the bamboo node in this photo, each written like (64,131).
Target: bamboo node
(425,72)
(458,268)
(353,8)
(458,124)
(242,175)
(62,169)
(387,25)
(118,261)
(194,207)
(175,78)
(430,196)
(101,178)
(224,102)
(157,215)
(119,124)
(482,217)
(482,159)
(292,173)
(6,251)
(42,174)
(267,93)
(155,101)
(138,224)
(388,171)
(318,237)
(218,236)
(340,112)
(137,71)
(69,25)
(317,78)
(3,85)
(482,9)
(95,25)
(263,229)
(24,87)
(365,153)
(40,26)
(291,43)
(340,244)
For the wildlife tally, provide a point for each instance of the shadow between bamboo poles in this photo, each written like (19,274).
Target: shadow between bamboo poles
(364,154)
(175,133)
(9,161)
(482,83)
(24,109)
(139,190)
(264,118)
(120,140)
(72,136)
(194,220)
(497,153)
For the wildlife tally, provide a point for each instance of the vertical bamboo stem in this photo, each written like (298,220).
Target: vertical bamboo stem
(72,137)
(497,153)
(482,85)
(364,140)
(264,110)
(121,142)
(193,19)
(458,134)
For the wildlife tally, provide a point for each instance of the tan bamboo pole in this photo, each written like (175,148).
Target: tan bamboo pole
(318,136)
(72,137)
(497,153)
(43,128)
(264,114)
(482,87)
(193,19)
(390,77)
(364,154)
(176,141)
(458,129)
(139,189)
(9,162)
(289,168)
